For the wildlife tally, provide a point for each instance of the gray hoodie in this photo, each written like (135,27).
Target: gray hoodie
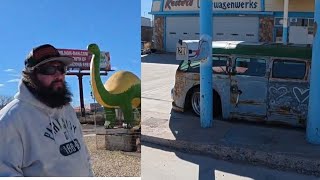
(36,140)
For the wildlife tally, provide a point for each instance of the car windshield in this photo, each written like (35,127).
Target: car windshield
(184,66)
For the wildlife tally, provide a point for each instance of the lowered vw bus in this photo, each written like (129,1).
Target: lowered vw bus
(255,82)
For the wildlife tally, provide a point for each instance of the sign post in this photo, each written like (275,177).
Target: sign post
(206,100)
(313,123)
(285,23)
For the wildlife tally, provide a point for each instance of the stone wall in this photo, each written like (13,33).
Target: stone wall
(266,29)
(158,33)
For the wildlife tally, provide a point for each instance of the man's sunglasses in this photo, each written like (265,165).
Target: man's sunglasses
(51,70)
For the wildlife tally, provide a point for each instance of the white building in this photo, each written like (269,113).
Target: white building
(244,20)
(93,107)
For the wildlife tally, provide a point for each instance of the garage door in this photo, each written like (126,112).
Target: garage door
(225,28)
(181,28)
(236,29)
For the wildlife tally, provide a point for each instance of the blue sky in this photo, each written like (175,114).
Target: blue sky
(72,24)
(146,8)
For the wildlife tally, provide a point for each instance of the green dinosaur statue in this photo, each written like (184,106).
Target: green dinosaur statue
(122,90)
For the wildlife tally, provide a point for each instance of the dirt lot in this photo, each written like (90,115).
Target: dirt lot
(112,163)
(107,163)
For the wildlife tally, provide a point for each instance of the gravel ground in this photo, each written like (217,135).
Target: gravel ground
(112,163)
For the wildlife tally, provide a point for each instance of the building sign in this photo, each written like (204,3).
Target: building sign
(237,5)
(169,4)
(82,59)
(218,5)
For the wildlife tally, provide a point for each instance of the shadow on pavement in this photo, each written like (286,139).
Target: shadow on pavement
(239,142)
(216,169)
(168,58)
(182,127)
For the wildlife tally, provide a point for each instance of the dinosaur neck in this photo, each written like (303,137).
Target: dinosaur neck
(96,83)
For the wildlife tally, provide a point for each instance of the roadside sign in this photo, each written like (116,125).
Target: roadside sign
(182,51)
(193,50)
(82,59)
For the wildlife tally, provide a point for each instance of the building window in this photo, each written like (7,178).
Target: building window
(296,22)
(310,30)
(310,26)
(278,21)
(278,32)
(310,22)
(292,21)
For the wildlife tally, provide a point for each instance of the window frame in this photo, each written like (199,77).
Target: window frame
(250,57)
(196,64)
(289,60)
(228,61)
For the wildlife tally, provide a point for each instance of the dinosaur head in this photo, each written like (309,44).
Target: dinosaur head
(94,49)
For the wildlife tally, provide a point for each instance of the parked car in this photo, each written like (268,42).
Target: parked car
(255,82)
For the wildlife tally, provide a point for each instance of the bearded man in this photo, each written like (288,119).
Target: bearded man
(40,134)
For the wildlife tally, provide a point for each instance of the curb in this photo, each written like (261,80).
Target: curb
(229,153)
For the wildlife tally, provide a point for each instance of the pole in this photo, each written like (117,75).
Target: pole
(206,100)
(83,112)
(95,120)
(285,23)
(313,123)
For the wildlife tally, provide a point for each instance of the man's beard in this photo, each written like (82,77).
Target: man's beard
(48,95)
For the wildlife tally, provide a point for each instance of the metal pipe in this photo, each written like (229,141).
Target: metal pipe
(313,123)
(83,111)
(285,23)
(206,109)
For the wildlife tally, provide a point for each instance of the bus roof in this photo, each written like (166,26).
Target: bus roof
(258,49)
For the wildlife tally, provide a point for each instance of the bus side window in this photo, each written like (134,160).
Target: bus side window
(250,66)
(288,69)
(219,64)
